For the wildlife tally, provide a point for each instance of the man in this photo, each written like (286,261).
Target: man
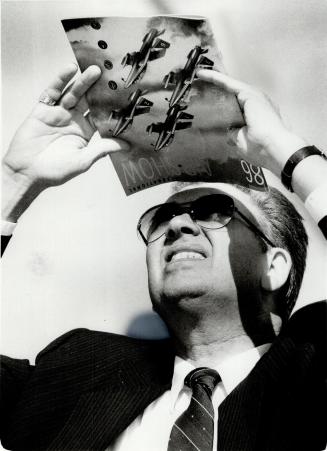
(93,390)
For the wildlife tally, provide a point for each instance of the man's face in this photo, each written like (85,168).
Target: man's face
(199,268)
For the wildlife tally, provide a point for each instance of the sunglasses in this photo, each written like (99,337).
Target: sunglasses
(210,212)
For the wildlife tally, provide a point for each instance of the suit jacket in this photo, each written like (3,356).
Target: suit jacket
(87,387)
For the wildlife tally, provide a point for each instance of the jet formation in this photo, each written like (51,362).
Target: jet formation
(176,119)
(137,105)
(184,78)
(151,49)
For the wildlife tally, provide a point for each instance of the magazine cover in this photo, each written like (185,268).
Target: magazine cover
(149,95)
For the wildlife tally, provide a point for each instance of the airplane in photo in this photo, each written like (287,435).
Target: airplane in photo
(151,49)
(176,119)
(184,78)
(137,105)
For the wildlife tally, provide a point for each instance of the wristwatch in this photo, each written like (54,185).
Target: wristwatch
(294,159)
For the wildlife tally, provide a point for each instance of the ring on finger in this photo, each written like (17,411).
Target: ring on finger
(46,99)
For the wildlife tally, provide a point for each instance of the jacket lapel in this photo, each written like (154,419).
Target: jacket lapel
(239,414)
(99,417)
(251,415)
(102,413)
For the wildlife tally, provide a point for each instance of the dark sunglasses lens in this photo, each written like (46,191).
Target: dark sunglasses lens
(213,211)
(155,221)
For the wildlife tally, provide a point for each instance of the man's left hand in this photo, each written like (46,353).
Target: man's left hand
(264,140)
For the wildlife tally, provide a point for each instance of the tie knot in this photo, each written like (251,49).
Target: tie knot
(206,377)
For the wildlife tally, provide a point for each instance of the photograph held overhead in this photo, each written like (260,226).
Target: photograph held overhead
(152,97)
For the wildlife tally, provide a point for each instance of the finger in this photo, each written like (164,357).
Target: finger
(223,81)
(77,90)
(56,87)
(99,149)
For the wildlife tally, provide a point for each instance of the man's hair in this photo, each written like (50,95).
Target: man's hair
(283,225)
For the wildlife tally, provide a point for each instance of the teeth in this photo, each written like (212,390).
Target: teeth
(187,255)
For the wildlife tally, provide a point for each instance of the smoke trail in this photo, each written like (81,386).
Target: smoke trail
(182,27)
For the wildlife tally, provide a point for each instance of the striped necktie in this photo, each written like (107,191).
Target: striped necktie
(193,430)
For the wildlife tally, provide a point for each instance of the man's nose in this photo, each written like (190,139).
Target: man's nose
(182,224)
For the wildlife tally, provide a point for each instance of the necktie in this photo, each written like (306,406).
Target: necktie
(193,430)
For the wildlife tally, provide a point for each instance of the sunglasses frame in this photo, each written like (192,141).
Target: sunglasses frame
(188,210)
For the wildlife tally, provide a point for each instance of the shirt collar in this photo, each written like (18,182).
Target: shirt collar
(181,369)
(232,370)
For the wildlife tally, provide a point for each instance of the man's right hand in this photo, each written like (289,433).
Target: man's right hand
(53,143)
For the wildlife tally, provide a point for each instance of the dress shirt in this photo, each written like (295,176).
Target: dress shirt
(151,430)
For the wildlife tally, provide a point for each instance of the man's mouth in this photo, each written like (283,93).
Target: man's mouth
(185,255)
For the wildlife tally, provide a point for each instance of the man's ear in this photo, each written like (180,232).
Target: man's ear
(276,269)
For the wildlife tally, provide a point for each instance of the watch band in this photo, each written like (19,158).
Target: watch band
(294,159)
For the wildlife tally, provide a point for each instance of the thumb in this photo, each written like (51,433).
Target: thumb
(99,149)
(238,137)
